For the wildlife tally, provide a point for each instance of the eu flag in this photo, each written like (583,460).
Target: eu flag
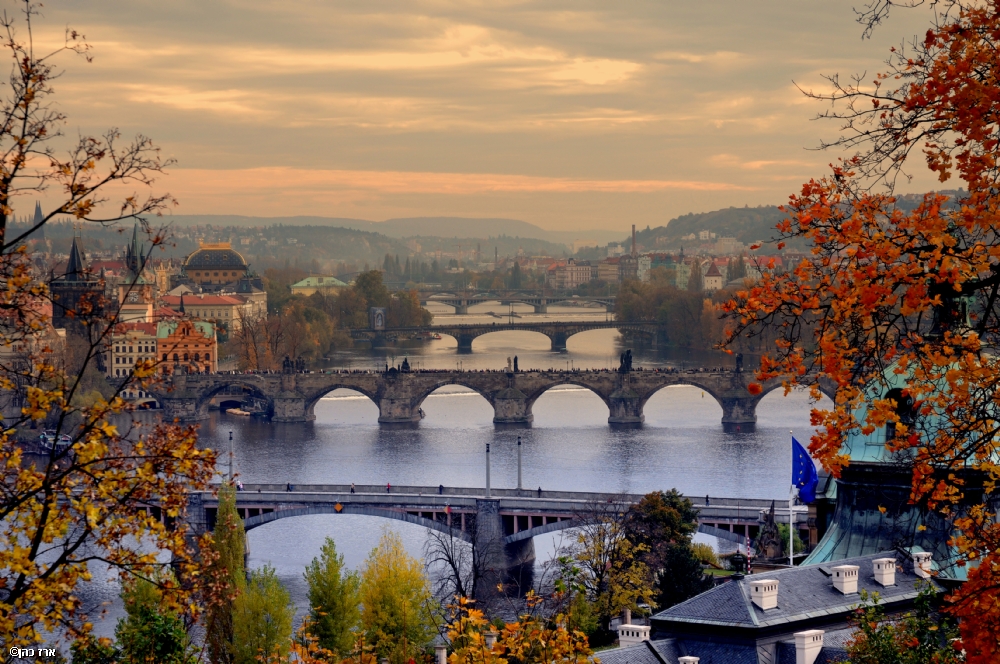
(804,474)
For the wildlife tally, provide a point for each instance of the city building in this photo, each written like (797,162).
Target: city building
(645,264)
(188,346)
(77,295)
(713,279)
(607,270)
(129,345)
(324,285)
(227,310)
(568,275)
(802,614)
(136,296)
(215,264)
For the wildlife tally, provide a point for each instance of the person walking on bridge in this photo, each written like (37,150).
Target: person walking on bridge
(352,487)
(388,488)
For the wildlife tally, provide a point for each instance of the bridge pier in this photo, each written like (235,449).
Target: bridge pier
(465,343)
(625,405)
(462,308)
(511,406)
(291,407)
(541,308)
(397,411)
(182,409)
(739,414)
(521,563)
(558,342)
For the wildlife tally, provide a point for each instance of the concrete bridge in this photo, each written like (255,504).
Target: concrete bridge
(291,397)
(502,524)
(462,300)
(557,332)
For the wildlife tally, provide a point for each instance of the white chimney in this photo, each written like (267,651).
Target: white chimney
(632,635)
(807,646)
(764,593)
(491,639)
(845,579)
(688,659)
(922,564)
(885,571)
(441,654)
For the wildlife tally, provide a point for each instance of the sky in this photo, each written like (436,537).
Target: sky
(572,115)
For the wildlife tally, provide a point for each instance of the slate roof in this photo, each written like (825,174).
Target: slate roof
(667,651)
(804,593)
(834,648)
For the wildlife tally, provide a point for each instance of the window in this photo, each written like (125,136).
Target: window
(130,349)
(208,357)
(118,372)
(164,357)
(196,358)
(175,357)
(185,357)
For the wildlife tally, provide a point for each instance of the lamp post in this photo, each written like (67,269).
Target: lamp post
(518,463)
(230,457)
(487,470)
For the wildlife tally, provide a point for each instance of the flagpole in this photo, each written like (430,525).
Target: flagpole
(791,498)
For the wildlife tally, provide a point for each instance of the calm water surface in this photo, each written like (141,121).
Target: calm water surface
(568,447)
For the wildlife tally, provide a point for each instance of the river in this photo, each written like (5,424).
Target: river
(569,446)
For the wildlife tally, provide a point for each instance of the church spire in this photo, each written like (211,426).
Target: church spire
(39,217)
(75,268)
(133,252)
(181,308)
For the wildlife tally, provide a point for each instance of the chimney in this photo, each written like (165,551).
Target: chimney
(632,635)
(845,578)
(922,564)
(807,646)
(627,616)
(688,659)
(885,571)
(491,639)
(764,593)
(441,654)
(633,239)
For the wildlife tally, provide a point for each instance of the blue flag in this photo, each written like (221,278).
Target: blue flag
(804,474)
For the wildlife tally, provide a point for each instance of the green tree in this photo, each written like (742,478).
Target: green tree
(227,577)
(151,632)
(262,619)
(695,280)
(369,284)
(334,596)
(662,524)
(396,615)
(515,276)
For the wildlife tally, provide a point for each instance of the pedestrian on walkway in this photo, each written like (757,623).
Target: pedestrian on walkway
(388,487)
(539,492)
(288,487)
(440,489)
(352,487)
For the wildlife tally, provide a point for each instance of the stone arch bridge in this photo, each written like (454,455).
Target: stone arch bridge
(503,523)
(292,397)
(461,301)
(557,332)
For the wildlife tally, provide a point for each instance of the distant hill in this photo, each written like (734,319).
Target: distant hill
(445,227)
(746,224)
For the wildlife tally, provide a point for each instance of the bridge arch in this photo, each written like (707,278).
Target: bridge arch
(269,517)
(246,383)
(537,394)
(313,398)
(683,380)
(419,399)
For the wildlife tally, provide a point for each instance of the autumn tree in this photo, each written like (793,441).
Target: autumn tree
(334,600)
(396,614)
(226,578)
(905,296)
(612,571)
(67,504)
(151,632)
(262,619)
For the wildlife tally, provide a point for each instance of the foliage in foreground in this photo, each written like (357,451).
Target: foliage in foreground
(894,297)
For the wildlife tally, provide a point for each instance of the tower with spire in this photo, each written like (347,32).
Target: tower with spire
(77,294)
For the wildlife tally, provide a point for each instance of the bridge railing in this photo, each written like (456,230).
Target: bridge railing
(750,504)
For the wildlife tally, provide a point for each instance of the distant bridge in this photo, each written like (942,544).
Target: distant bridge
(504,524)
(291,397)
(557,332)
(540,300)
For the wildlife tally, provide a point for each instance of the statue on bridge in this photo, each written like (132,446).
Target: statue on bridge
(286,365)
(510,368)
(626,362)
(515,364)
(405,367)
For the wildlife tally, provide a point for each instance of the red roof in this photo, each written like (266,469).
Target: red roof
(713,271)
(165,312)
(145,328)
(174,301)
